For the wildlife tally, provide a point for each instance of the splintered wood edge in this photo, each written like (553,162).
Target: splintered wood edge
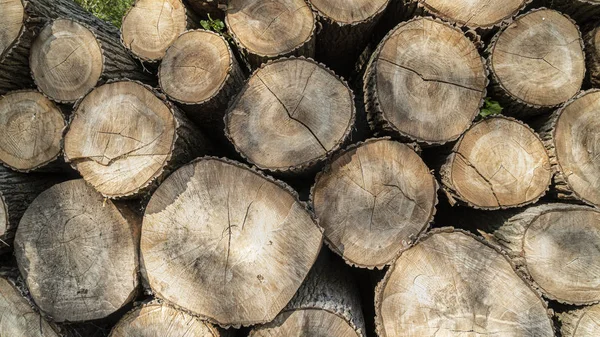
(374,111)
(308,164)
(325,17)
(144,188)
(492,45)
(410,243)
(381,285)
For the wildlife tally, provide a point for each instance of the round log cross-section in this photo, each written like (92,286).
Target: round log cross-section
(162,320)
(237,240)
(151,26)
(77,253)
(537,62)
(584,322)
(18,318)
(498,163)
(452,284)
(32,130)
(426,82)
(372,200)
(558,247)
(265,29)
(291,115)
(13,14)
(478,14)
(123,138)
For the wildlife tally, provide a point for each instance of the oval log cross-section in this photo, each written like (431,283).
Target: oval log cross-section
(237,240)
(77,253)
(451,284)
(477,14)
(291,115)
(498,163)
(373,200)
(426,82)
(11,24)
(584,322)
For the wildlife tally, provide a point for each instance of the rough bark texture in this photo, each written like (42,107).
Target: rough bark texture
(290,116)
(537,63)
(451,283)
(422,93)
(125,150)
(357,197)
(592,54)
(327,304)
(265,30)
(583,322)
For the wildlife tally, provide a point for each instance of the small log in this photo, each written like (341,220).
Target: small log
(347,26)
(124,139)
(69,58)
(570,135)
(451,283)
(290,116)
(592,53)
(77,253)
(32,128)
(357,197)
(239,241)
(151,26)
(18,318)
(200,72)
(537,63)
(266,30)
(327,304)
(425,82)
(583,322)
(556,246)
(156,319)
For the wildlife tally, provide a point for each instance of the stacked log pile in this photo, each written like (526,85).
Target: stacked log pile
(296,173)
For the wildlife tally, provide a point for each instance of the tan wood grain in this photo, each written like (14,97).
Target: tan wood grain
(11,24)
(474,13)
(583,322)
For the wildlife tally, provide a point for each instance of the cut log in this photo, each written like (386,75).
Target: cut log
(124,139)
(77,253)
(347,26)
(32,128)
(151,26)
(425,82)
(69,58)
(498,163)
(200,72)
(537,63)
(452,284)
(239,241)
(266,30)
(18,318)
(558,247)
(327,304)
(592,53)
(156,319)
(358,198)
(570,135)
(584,322)
(291,115)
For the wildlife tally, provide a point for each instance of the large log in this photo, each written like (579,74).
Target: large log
(124,138)
(78,253)
(357,197)
(536,62)
(498,163)
(69,58)
(32,130)
(290,116)
(592,55)
(347,26)
(426,82)
(157,319)
(200,72)
(240,242)
(327,304)
(557,247)
(151,26)
(570,135)
(451,283)
(266,30)
(18,317)
(581,322)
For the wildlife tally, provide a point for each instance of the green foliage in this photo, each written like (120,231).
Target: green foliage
(108,10)
(216,26)
(490,108)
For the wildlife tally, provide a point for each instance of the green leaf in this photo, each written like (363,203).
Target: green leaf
(490,108)
(205,24)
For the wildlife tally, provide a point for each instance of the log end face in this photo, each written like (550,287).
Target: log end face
(346,12)
(306,322)
(11,25)
(474,14)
